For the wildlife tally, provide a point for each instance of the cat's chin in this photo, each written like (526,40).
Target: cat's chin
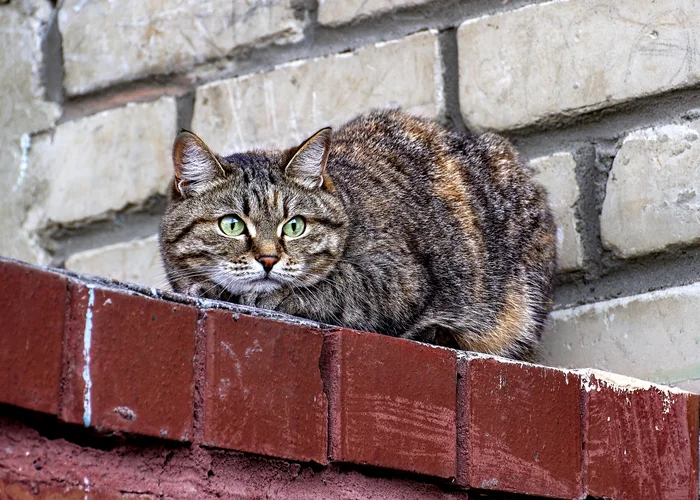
(250,286)
(263,285)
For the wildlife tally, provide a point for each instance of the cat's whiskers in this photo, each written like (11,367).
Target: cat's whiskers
(181,274)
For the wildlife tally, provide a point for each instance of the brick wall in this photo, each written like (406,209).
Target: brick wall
(600,95)
(115,391)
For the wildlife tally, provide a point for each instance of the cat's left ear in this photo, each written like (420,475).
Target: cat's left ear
(195,164)
(307,168)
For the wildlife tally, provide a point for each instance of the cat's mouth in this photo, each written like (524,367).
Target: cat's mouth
(266,283)
(252,283)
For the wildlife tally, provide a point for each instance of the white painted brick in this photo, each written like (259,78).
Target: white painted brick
(557,174)
(105,41)
(22,104)
(136,261)
(568,57)
(653,336)
(284,106)
(334,12)
(104,162)
(23,109)
(652,198)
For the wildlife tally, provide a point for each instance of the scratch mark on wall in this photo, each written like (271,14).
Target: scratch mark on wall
(237,362)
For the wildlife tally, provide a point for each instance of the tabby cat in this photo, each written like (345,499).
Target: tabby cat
(392,224)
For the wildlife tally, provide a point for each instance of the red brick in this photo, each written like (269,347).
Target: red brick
(393,403)
(641,440)
(264,392)
(16,490)
(32,317)
(521,430)
(140,363)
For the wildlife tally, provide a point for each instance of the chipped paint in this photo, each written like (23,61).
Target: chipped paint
(87,343)
(126,413)
(250,350)
(593,380)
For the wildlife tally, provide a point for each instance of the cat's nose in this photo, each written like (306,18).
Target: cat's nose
(268,261)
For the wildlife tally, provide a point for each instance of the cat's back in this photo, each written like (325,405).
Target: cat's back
(467,209)
(409,164)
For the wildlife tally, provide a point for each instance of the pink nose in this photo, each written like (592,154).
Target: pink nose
(268,261)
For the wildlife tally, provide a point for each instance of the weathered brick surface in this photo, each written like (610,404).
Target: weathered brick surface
(557,174)
(546,60)
(522,428)
(654,336)
(106,42)
(32,316)
(641,440)
(280,108)
(26,490)
(129,363)
(651,199)
(392,403)
(137,261)
(23,109)
(485,422)
(107,161)
(334,12)
(264,392)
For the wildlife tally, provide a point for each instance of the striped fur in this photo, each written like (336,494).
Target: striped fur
(415,230)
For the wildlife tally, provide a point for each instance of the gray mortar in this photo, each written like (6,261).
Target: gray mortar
(610,123)
(589,178)
(592,177)
(646,274)
(185,110)
(114,227)
(447,40)
(52,59)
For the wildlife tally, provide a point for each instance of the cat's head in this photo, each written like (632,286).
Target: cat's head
(251,222)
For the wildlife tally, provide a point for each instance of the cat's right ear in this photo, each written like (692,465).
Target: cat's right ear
(195,164)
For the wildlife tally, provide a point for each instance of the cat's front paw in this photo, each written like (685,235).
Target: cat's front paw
(271,300)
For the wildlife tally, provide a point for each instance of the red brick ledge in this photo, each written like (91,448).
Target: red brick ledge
(127,359)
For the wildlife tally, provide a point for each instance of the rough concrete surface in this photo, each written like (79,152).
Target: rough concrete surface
(190,472)
(652,198)
(280,109)
(106,41)
(653,336)
(23,109)
(557,174)
(136,261)
(564,58)
(103,162)
(334,12)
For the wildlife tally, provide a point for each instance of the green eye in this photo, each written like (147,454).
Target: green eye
(294,226)
(231,225)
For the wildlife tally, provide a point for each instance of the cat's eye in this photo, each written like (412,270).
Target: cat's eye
(231,225)
(294,227)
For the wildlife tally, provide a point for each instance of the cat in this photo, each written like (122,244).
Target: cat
(392,224)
